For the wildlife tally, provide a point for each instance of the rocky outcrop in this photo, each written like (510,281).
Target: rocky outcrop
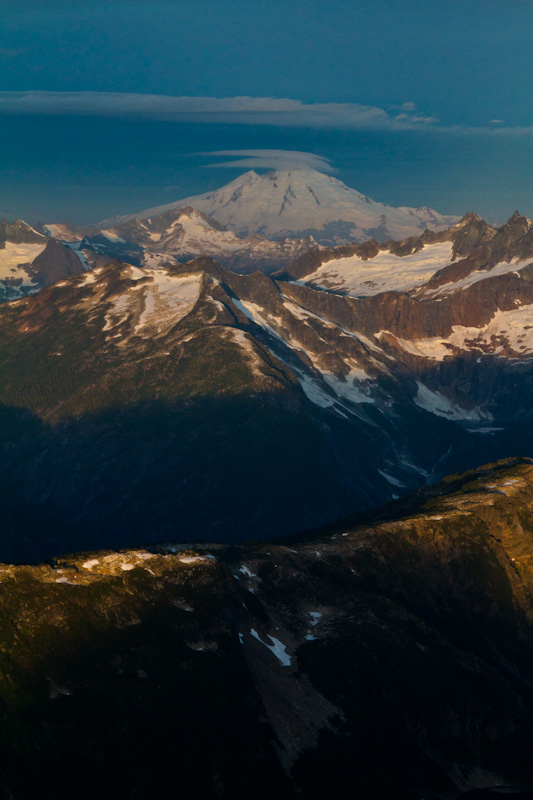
(54,263)
(19,232)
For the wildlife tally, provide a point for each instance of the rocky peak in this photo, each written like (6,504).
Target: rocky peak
(19,232)
(471,232)
(55,262)
(513,239)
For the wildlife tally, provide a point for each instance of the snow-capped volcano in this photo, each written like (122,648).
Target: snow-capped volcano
(304,202)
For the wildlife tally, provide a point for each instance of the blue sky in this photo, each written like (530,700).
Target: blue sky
(412,102)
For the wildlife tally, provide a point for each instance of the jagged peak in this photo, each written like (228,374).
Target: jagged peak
(517,223)
(469,217)
(203,264)
(19,231)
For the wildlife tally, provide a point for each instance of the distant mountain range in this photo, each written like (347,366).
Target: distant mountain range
(299,203)
(179,235)
(302,387)
(255,222)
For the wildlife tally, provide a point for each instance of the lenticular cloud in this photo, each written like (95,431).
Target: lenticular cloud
(230,110)
(272,159)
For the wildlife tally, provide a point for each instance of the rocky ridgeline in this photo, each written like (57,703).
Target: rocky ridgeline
(392,656)
(475,245)
(179,235)
(18,232)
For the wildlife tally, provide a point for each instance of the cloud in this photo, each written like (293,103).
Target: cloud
(414,118)
(272,159)
(279,112)
(232,110)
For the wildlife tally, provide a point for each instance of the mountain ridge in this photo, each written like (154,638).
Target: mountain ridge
(295,668)
(180,234)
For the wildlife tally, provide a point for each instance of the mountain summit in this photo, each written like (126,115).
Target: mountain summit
(303,202)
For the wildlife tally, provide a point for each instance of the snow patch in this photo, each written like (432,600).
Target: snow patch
(441,406)
(277,648)
(191,559)
(247,572)
(393,481)
(490,431)
(12,256)
(347,388)
(501,268)
(385,272)
(167,299)
(508,333)
(112,237)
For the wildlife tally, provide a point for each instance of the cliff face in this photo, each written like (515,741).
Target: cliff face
(386,658)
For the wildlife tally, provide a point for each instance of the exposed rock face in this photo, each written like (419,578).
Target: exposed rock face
(55,262)
(301,203)
(391,658)
(19,232)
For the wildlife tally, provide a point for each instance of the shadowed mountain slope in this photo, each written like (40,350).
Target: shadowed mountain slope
(389,659)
